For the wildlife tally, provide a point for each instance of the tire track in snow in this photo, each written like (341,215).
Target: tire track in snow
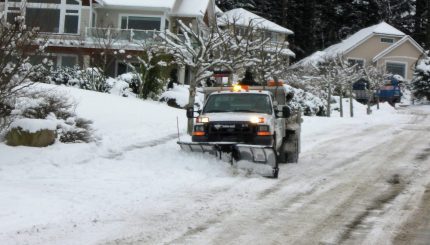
(115,154)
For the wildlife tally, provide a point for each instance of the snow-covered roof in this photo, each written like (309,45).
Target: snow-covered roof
(218,10)
(243,17)
(190,8)
(152,4)
(351,42)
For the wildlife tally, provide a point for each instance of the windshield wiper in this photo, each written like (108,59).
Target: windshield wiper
(244,111)
(216,111)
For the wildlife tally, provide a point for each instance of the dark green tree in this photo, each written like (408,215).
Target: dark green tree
(421,81)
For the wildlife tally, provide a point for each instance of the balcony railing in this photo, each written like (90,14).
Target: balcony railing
(121,35)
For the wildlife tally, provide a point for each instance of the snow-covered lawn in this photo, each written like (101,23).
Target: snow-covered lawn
(135,179)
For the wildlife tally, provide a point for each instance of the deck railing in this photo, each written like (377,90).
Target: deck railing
(130,35)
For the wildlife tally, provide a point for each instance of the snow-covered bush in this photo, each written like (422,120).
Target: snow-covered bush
(421,82)
(308,103)
(53,108)
(94,80)
(75,130)
(69,76)
(178,97)
(89,79)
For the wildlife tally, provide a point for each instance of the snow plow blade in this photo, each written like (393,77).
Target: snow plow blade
(255,154)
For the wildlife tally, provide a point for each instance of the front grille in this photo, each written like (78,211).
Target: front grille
(243,132)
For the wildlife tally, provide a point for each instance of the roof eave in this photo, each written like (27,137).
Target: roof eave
(186,15)
(119,6)
(358,43)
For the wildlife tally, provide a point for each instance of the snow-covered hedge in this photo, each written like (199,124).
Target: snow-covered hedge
(92,79)
(309,104)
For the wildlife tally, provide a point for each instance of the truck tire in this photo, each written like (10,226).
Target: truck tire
(282,154)
(292,148)
(275,172)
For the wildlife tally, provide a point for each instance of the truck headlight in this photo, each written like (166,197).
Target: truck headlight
(257,120)
(202,120)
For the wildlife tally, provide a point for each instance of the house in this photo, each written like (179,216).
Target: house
(380,45)
(76,29)
(240,20)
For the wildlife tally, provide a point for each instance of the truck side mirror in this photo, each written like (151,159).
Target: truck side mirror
(286,112)
(190,112)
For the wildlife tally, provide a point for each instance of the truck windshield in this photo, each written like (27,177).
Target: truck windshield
(253,103)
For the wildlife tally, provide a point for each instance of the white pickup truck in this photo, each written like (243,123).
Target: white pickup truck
(251,123)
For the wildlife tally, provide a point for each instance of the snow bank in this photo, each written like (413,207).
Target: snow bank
(360,110)
(34,125)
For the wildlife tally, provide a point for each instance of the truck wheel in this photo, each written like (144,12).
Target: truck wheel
(275,173)
(282,156)
(292,149)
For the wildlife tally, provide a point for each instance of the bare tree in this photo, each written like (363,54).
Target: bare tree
(347,74)
(376,78)
(196,49)
(239,44)
(17,43)
(109,45)
(272,59)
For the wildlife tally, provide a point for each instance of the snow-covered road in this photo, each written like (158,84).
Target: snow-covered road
(359,181)
(367,197)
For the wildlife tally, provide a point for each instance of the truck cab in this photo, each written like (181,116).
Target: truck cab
(242,116)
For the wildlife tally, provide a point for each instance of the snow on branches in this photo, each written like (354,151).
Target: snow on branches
(198,48)
(421,82)
(17,42)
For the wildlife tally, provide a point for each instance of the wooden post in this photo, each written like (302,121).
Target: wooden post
(351,104)
(341,101)
(329,100)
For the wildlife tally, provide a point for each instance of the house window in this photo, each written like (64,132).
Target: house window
(51,16)
(68,61)
(58,60)
(122,68)
(12,13)
(71,21)
(359,62)
(272,36)
(72,2)
(387,40)
(141,23)
(45,1)
(94,20)
(48,20)
(396,68)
